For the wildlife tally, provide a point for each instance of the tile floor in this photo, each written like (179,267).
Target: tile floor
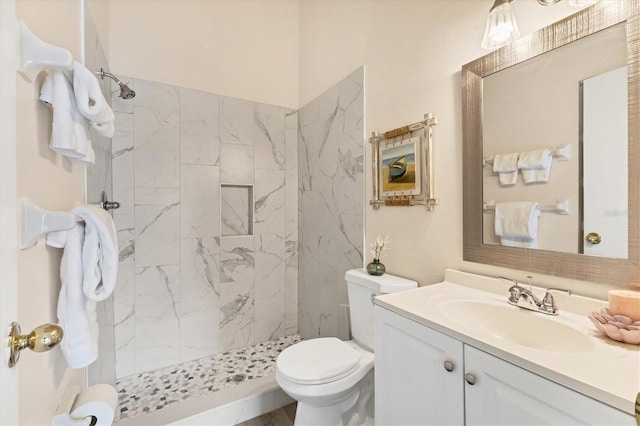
(154,390)
(284,416)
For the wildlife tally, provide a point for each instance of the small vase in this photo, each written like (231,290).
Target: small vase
(375,267)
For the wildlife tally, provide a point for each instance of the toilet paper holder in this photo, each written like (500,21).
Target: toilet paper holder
(63,412)
(96,405)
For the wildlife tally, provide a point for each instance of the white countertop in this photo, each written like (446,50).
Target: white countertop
(607,371)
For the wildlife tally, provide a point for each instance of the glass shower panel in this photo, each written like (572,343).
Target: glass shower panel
(98,179)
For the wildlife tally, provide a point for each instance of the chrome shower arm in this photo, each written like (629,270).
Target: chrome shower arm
(102,73)
(125,91)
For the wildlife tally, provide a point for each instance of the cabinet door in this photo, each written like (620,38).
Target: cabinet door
(504,394)
(413,387)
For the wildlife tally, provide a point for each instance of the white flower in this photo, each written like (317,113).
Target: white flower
(378,247)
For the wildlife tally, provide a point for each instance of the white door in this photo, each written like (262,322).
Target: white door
(8,220)
(605,163)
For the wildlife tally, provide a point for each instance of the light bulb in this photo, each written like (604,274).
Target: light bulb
(501,28)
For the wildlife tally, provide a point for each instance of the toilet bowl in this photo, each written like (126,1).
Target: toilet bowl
(328,384)
(331,379)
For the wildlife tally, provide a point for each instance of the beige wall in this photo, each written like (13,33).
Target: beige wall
(54,184)
(98,10)
(413,52)
(243,49)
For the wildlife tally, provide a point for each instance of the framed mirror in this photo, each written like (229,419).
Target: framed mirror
(539,96)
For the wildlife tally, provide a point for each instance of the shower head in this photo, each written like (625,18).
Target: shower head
(125,91)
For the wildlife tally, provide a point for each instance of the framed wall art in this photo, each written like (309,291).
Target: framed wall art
(403,166)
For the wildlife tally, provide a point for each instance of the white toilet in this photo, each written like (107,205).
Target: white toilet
(332,380)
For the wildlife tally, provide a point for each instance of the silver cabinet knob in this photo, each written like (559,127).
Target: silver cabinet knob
(448,365)
(470,378)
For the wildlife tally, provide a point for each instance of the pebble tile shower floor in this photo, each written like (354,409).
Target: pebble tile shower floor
(149,391)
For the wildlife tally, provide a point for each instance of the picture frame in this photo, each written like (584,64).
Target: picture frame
(402,163)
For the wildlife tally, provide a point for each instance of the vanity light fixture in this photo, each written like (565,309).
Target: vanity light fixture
(502,29)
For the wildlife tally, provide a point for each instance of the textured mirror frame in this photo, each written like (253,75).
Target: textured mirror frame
(577,266)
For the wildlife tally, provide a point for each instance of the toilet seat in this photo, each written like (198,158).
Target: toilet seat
(318,361)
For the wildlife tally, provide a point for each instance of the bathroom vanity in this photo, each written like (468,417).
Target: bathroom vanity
(457,353)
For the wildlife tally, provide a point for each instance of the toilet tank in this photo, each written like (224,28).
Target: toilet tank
(362,288)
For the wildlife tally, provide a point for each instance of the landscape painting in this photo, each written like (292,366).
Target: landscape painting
(400,171)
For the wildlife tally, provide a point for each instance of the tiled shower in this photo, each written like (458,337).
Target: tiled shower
(193,281)
(217,195)
(331,148)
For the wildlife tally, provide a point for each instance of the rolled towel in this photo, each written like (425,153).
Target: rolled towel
(69,128)
(516,223)
(91,102)
(506,165)
(535,165)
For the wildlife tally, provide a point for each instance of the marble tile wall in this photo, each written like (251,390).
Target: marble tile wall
(331,205)
(189,286)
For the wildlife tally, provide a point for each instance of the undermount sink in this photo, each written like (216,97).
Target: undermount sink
(516,325)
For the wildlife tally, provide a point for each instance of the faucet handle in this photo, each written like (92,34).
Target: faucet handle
(549,303)
(515,291)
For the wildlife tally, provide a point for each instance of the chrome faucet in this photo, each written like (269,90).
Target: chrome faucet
(525,298)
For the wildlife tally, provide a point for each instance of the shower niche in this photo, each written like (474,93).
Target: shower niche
(236,210)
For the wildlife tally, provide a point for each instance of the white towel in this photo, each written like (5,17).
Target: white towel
(516,223)
(506,165)
(88,272)
(76,313)
(69,129)
(535,165)
(99,252)
(91,102)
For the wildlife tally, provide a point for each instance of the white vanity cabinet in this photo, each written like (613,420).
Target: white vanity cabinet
(415,387)
(413,384)
(504,393)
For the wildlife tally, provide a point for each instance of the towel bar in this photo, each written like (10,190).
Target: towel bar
(561,153)
(37,222)
(35,55)
(561,207)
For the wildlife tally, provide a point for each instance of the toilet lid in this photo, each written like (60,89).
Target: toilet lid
(318,361)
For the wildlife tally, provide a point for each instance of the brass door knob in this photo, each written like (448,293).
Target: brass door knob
(593,238)
(43,338)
